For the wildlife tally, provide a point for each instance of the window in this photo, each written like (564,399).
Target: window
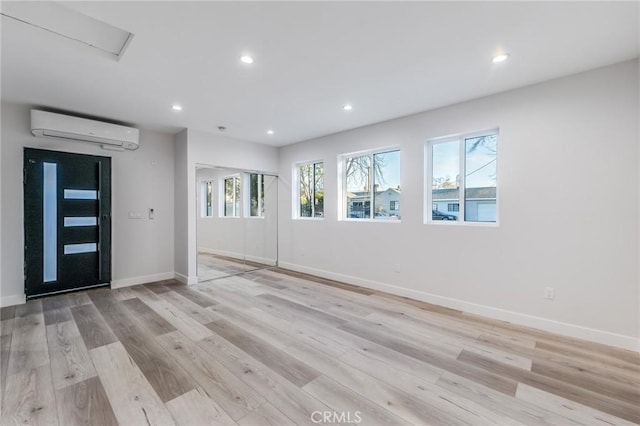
(232,196)
(371,179)
(472,198)
(206,198)
(256,195)
(311,190)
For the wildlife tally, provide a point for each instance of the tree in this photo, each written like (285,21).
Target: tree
(311,188)
(358,170)
(489,145)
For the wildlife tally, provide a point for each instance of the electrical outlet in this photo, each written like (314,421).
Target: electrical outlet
(135,215)
(396,268)
(548,293)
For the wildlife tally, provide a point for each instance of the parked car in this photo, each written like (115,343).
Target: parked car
(438,215)
(381,215)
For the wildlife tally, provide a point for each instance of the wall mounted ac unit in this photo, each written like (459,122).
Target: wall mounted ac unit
(60,126)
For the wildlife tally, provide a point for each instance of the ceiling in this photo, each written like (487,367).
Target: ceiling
(387,59)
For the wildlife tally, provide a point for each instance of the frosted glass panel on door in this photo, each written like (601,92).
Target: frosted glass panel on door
(80,248)
(49,219)
(80,194)
(80,221)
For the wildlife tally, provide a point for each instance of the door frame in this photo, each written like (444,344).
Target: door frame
(33,285)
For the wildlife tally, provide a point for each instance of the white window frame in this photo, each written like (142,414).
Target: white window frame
(342,184)
(223,198)
(203,198)
(428,179)
(246,189)
(296,191)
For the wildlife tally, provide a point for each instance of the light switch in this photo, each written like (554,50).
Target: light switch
(151,214)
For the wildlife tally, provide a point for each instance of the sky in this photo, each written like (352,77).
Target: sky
(480,164)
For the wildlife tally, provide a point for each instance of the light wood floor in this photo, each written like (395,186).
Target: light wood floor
(275,348)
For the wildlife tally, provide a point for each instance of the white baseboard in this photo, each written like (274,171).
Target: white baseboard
(16,299)
(239,256)
(231,254)
(128,282)
(185,279)
(552,326)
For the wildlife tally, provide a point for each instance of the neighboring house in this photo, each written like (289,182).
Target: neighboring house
(480,207)
(387,204)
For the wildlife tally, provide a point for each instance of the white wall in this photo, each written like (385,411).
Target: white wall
(142,249)
(571,142)
(197,147)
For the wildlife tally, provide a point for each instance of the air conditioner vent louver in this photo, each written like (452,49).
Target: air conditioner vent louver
(60,126)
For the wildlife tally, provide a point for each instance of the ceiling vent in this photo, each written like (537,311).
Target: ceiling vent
(69,23)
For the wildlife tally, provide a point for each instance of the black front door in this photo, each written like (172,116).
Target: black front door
(67,221)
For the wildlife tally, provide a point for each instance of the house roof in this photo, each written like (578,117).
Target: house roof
(365,194)
(452,194)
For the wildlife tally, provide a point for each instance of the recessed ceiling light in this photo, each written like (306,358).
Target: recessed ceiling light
(246,59)
(176,107)
(270,132)
(500,58)
(347,107)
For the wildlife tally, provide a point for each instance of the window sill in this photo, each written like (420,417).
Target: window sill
(372,220)
(462,223)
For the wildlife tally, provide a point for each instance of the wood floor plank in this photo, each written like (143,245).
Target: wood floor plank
(32,307)
(328,303)
(123,293)
(28,344)
(329,320)
(157,287)
(70,362)
(5,351)
(511,407)
(325,281)
(413,399)
(189,307)
(133,400)
(488,378)
(579,365)
(78,298)
(196,297)
(174,316)
(285,396)
(196,408)
(54,316)
(29,397)
(85,403)
(93,328)
(616,407)
(295,371)
(166,377)
(566,407)
(7,312)
(154,322)
(51,303)
(594,357)
(587,380)
(353,407)
(266,415)
(234,396)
